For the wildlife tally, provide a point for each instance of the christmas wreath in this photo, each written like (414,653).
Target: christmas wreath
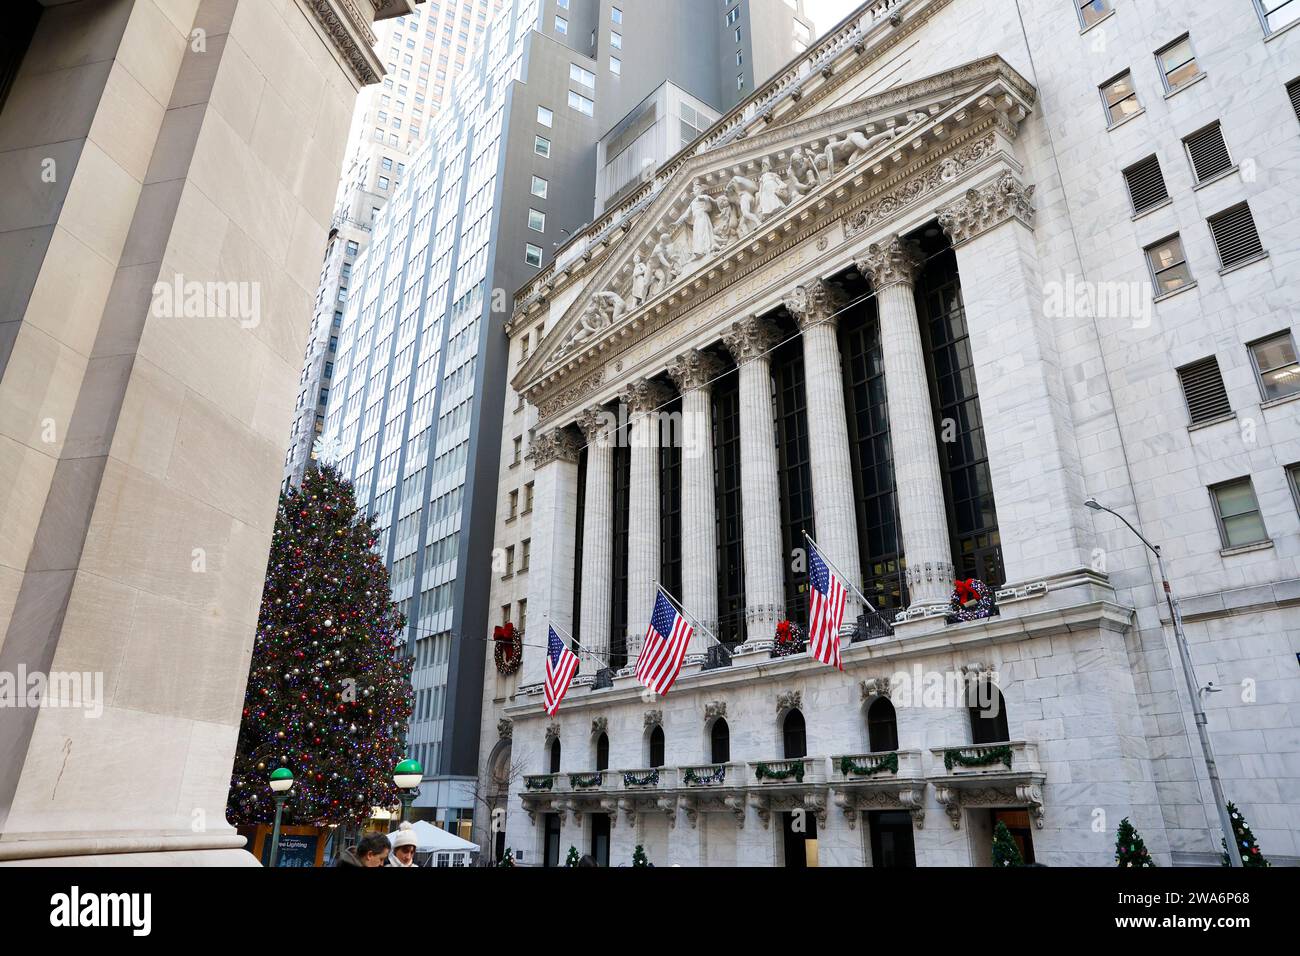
(789,640)
(971,600)
(508,652)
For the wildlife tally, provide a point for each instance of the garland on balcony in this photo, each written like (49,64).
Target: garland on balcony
(985,757)
(848,767)
(540,783)
(691,778)
(581,781)
(971,600)
(763,772)
(650,779)
(508,649)
(789,640)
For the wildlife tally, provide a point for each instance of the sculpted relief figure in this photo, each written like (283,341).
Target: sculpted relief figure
(728,219)
(772,193)
(612,306)
(593,321)
(700,214)
(744,192)
(640,280)
(663,270)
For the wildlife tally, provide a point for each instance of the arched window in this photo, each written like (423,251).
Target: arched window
(796,735)
(988,716)
(882,726)
(719,742)
(555,755)
(602,752)
(657,747)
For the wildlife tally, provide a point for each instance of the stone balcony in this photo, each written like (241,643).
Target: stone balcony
(790,784)
(988,775)
(893,780)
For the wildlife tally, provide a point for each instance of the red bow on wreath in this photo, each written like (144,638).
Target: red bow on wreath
(965,590)
(505,633)
(783,635)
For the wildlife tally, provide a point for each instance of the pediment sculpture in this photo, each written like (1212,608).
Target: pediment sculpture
(722,210)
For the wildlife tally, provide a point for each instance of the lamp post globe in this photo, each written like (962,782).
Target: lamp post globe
(407,776)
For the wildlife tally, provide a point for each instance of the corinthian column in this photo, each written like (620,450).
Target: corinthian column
(692,372)
(834,513)
(893,266)
(643,399)
(597,531)
(749,341)
(554,455)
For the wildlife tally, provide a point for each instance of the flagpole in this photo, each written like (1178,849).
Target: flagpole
(843,577)
(574,643)
(678,604)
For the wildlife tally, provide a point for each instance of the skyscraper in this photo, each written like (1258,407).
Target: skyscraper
(505,175)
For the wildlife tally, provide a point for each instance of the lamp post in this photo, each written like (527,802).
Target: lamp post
(281,783)
(1193,688)
(407,776)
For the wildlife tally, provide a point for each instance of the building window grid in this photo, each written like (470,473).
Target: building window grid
(730,520)
(670,497)
(795,478)
(1237,514)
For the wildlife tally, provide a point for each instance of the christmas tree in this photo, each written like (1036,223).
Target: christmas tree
(1245,840)
(1005,851)
(572,858)
(639,857)
(507,858)
(1129,848)
(328,695)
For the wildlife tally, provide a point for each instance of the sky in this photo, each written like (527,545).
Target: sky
(826,13)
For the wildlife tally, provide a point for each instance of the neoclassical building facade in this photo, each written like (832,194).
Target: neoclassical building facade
(841,313)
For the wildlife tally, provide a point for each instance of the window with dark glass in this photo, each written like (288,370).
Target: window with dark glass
(670,497)
(602,752)
(882,726)
(726,461)
(794,735)
(622,469)
(581,512)
(795,473)
(657,747)
(719,742)
(988,717)
(871,453)
(555,756)
(963,457)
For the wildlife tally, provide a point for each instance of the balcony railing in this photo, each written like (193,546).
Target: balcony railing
(798,770)
(595,780)
(540,782)
(648,778)
(711,775)
(889,765)
(1012,757)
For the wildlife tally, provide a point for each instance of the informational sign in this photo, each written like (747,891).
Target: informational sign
(299,846)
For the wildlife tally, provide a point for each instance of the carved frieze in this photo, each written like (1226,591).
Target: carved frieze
(654,718)
(875,687)
(790,700)
(351,36)
(715,709)
(570,394)
(985,207)
(505,728)
(599,725)
(552,733)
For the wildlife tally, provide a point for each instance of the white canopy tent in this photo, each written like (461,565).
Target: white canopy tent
(438,847)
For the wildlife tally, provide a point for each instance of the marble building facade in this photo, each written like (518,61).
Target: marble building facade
(845,299)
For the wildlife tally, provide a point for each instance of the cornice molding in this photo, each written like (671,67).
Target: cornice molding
(351,35)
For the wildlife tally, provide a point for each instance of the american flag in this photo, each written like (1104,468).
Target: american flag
(561,665)
(825,610)
(664,647)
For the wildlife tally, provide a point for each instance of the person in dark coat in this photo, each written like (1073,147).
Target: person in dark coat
(371,850)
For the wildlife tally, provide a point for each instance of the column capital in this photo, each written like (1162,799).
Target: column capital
(813,303)
(694,369)
(749,338)
(891,261)
(985,207)
(597,425)
(644,395)
(558,444)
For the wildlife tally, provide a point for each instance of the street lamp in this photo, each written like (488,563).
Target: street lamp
(407,775)
(281,782)
(1198,712)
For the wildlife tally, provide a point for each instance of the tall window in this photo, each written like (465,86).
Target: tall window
(1237,511)
(622,462)
(581,512)
(963,457)
(794,735)
(670,498)
(719,742)
(726,468)
(872,456)
(1168,265)
(1276,368)
(795,472)
(1177,63)
(988,717)
(657,746)
(882,726)
(1120,98)
(602,752)
(555,756)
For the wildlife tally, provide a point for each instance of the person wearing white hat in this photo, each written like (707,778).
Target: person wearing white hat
(404,843)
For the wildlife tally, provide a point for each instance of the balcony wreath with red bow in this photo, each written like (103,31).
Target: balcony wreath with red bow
(789,640)
(509,650)
(971,600)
